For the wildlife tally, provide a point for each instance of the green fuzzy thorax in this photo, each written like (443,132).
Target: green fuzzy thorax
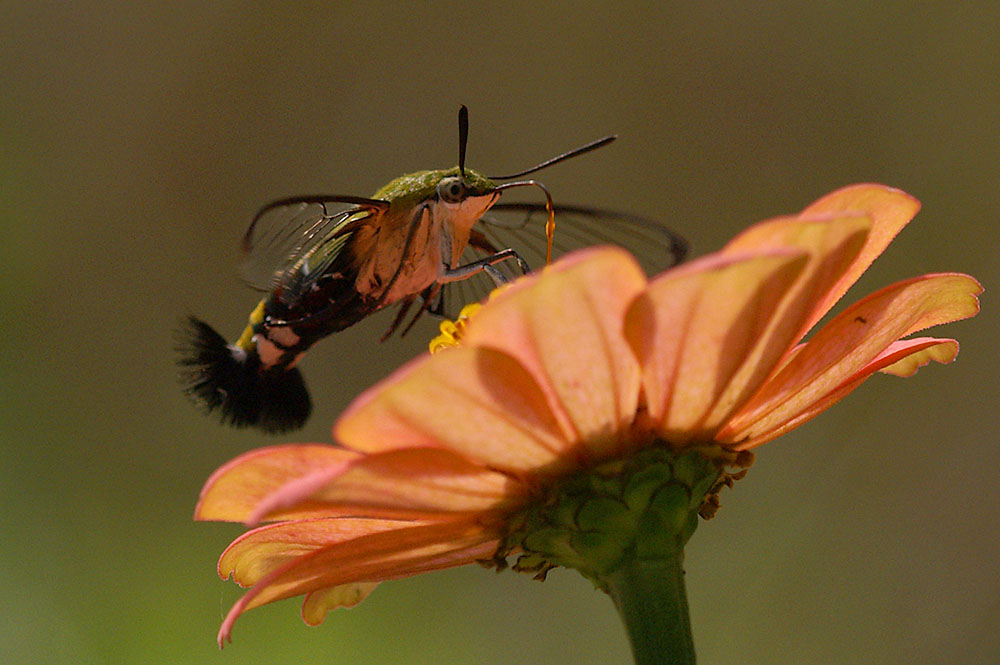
(411,189)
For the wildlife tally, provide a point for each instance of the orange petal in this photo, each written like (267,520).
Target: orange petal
(370,558)
(232,492)
(416,480)
(942,351)
(905,355)
(890,209)
(694,326)
(849,342)
(565,328)
(260,551)
(832,244)
(317,603)
(479,403)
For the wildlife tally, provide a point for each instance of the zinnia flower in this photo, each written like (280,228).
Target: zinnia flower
(585,378)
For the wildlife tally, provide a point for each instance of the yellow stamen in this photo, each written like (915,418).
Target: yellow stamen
(452,331)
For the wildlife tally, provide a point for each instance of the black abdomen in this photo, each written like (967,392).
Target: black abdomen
(231,381)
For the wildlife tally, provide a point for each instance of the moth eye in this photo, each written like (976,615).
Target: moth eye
(451,190)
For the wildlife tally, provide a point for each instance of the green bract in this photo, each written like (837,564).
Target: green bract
(645,507)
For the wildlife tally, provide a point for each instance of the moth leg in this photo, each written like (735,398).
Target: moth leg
(404,307)
(479,240)
(429,295)
(485,265)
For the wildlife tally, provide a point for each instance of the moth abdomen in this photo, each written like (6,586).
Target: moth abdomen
(232,381)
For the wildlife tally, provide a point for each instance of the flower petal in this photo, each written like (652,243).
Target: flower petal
(890,210)
(565,327)
(942,351)
(694,326)
(317,604)
(232,492)
(413,482)
(905,356)
(480,403)
(370,558)
(849,342)
(260,551)
(832,244)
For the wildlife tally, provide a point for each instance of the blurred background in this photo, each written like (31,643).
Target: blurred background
(137,141)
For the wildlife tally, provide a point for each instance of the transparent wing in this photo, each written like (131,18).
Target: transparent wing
(292,241)
(521,227)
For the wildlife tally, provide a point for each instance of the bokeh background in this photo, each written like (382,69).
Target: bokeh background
(138,140)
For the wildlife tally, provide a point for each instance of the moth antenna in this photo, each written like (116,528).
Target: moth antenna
(463,138)
(593,145)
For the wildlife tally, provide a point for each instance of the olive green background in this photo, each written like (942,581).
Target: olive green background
(138,141)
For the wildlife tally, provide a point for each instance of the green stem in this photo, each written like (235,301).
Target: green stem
(651,600)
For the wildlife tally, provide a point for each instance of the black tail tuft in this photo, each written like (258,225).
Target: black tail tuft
(225,378)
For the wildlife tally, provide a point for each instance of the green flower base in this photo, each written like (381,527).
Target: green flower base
(623,525)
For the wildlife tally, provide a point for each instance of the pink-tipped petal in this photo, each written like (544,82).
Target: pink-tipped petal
(480,403)
(314,611)
(370,558)
(832,245)
(292,498)
(694,326)
(849,342)
(260,551)
(565,328)
(237,487)
(907,355)
(941,351)
(417,481)
(890,210)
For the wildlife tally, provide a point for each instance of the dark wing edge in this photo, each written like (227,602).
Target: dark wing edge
(521,226)
(286,230)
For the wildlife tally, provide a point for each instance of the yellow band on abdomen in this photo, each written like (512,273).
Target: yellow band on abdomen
(245,341)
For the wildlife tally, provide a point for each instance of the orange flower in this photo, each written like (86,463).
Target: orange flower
(585,363)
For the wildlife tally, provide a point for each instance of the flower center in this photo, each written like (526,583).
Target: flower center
(645,507)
